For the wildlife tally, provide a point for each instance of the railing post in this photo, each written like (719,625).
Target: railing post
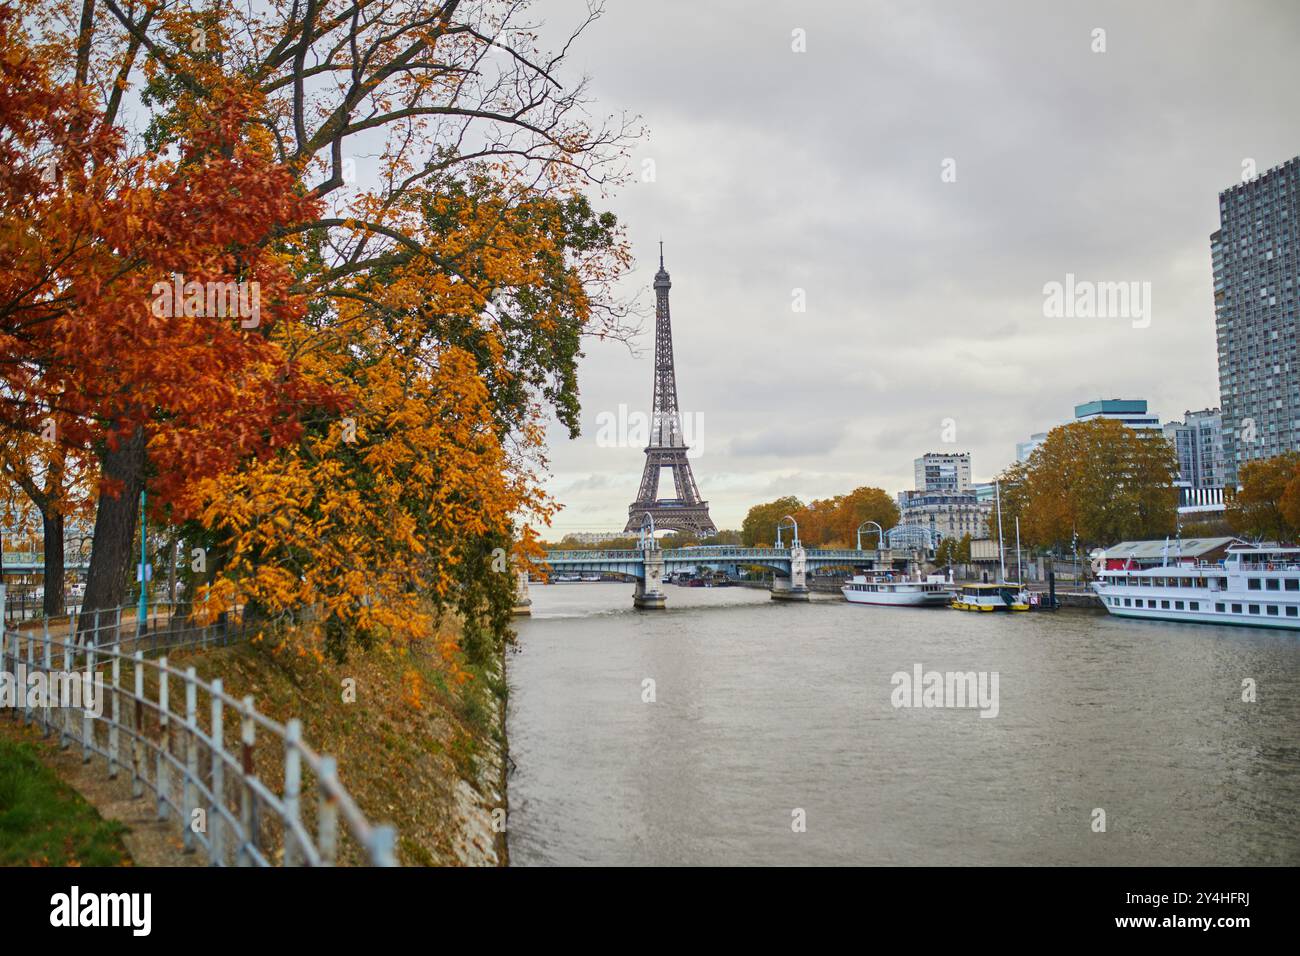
(87,718)
(191,759)
(247,810)
(94,634)
(327,814)
(164,739)
(31,666)
(292,788)
(383,841)
(12,640)
(216,855)
(137,742)
(116,717)
(65,735)
(45,662)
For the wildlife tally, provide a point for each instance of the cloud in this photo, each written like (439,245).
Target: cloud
(788,441)
(821,171)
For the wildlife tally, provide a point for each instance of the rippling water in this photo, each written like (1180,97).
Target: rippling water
(764,707)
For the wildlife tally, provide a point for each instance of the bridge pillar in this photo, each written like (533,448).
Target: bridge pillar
(523,602)
(649,594)
(794,587)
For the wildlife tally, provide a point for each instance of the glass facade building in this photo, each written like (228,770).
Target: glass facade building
(1256,265)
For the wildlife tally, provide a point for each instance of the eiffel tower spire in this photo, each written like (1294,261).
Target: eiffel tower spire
(667,449)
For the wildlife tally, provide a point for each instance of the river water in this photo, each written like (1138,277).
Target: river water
(766,714)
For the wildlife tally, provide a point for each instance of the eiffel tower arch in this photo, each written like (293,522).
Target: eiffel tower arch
(685,511)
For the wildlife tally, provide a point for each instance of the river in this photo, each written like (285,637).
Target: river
(767,714)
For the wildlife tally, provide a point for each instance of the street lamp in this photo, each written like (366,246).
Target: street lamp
(880,534)
(780,524)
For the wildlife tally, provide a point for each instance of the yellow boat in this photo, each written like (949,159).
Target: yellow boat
(990,597)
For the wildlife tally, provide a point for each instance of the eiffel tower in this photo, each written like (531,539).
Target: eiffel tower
(667,448)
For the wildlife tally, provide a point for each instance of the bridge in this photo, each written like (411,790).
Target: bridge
(33,562)
(647,565)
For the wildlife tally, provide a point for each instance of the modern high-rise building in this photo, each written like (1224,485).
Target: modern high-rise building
(1198,442)
(1256,258)
(1128,411)
(936,471)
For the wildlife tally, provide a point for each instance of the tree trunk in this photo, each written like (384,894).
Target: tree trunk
(55,587)
(115,523)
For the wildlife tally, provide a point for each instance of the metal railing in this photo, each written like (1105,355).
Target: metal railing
(201,777)
(703,553)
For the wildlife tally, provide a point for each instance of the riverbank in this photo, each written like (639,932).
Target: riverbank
(419,740)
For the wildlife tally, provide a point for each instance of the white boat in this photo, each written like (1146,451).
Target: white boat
(565,578)
(894,589)
(1256,587)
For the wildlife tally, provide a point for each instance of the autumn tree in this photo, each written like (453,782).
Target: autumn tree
(1267,505)
(759,527)
(862,505)
(457,281)
(1098,479)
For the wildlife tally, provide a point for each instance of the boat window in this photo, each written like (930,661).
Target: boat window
(1164,605)
(1272,609)
(1292,610)
(1293,584)
(1252,584)
(1273,584)
(1128,602)
(1236,609)
(1254,609)
(1194,605)
(1178,605)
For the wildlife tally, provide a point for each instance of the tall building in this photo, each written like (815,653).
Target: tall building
(941,472)
(1198,442)
(945,500)
(951,514)
(1128,411)
(1256,259)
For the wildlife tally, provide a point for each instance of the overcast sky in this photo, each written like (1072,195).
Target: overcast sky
(822,171)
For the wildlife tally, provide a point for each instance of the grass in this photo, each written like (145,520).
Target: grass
(44,822)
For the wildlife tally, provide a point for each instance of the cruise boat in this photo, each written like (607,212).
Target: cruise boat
(1257,587)
(894,589)
(991,597)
